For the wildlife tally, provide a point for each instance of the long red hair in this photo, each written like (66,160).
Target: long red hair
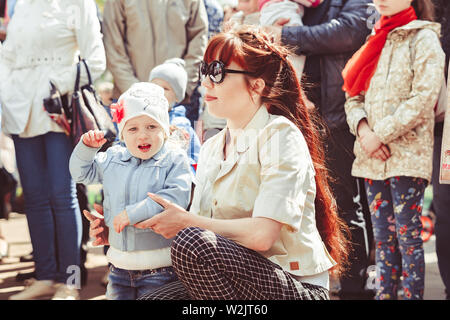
(253,50)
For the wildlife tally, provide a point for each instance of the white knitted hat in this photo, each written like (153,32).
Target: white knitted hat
(142,98)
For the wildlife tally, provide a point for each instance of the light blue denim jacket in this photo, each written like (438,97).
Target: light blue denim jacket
(126,181)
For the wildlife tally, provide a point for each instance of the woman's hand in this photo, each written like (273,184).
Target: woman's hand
(97,228)
(94,138)
(167,223)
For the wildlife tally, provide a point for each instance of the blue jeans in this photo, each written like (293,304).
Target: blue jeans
(51,204)
(131,284)
(396,206)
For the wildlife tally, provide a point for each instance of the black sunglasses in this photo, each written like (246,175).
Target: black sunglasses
(216,71)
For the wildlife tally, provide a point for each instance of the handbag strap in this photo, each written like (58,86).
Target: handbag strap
(87,71)
(77,79)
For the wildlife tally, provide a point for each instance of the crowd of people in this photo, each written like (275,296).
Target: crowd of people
(262,146)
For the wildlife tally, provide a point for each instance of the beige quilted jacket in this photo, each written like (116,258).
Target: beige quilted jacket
(399,103)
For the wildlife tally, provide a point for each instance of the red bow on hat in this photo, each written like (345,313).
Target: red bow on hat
(117,111)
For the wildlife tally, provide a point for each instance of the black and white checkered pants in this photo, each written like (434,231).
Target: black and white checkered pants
(210,266)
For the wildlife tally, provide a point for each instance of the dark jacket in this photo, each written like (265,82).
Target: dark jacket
(342,31)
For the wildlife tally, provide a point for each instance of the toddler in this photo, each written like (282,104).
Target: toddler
(139,258)
(172,77)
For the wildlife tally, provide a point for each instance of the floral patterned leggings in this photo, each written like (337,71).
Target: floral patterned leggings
(396,207)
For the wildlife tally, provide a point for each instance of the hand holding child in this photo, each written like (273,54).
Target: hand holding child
(94,138)
(97,227)
(121,221)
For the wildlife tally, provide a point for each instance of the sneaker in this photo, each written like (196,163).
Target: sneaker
(66,292)
(22,276)
(35,289)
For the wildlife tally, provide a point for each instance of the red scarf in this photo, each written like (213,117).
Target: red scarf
(360,68)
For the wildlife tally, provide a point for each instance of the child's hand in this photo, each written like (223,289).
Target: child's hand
(373,146)
(94,138)
(370,142)
(121,221)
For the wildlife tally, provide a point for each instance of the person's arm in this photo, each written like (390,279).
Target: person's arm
(346,33)
(177,189)
(257,234)
(357,122)
(428,68)
(355,112)
(114,30)
(85,164)
(197,37)
(89,40)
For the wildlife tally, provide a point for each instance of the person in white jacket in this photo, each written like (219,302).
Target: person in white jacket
(44,40)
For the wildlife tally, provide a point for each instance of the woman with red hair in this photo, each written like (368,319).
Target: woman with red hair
(262,224)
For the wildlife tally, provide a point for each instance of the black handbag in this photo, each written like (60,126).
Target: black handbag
(87,111)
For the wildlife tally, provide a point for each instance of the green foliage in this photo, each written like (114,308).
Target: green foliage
(100,4)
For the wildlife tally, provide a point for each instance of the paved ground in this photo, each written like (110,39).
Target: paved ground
(16,233)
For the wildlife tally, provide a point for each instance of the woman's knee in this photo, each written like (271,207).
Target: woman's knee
(185,239)
(191,243)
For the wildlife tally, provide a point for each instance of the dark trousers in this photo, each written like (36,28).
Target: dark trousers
(441,204)
(212,267)
(352,207)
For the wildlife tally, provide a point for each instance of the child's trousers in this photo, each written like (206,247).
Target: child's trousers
(131,284)
(395,207)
